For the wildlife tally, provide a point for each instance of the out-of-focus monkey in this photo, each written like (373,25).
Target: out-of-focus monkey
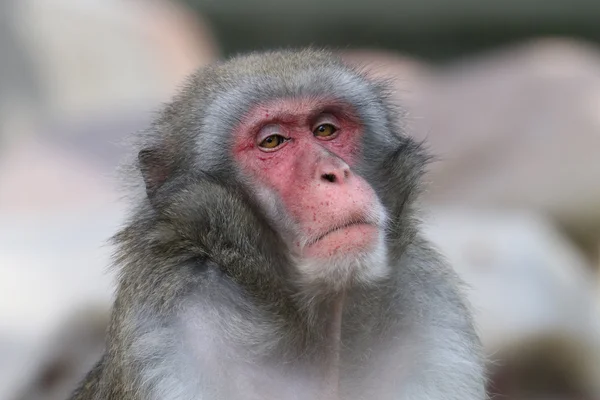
(275,253)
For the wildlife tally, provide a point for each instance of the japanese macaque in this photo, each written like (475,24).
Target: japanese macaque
(275,252)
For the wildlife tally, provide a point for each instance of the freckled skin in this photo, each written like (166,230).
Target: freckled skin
(313,202)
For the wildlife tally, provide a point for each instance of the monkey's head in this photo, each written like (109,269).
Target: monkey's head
(314,145)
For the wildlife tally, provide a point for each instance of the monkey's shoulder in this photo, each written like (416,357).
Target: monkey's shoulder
(423,278)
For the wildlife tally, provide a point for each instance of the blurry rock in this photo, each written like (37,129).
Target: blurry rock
(110,55)
(406,74)
(100,67)
(544,368)
(51,265)
(519,128)
(98,87)
(40,176)
(529,289)
(19,87)
(407,78)
(67,357)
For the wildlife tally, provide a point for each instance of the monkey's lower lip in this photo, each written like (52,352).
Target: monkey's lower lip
(345,238)
(340,228)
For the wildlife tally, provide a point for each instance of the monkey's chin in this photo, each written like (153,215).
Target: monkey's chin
(356,254)
(353,239)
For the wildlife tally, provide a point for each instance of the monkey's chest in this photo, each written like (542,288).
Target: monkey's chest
(226,371)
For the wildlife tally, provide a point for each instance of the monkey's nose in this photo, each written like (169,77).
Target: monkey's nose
(337,174)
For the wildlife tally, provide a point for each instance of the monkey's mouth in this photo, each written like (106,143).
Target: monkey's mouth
(337,228)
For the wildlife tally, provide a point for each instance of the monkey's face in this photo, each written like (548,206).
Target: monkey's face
(299,155)
(316,146)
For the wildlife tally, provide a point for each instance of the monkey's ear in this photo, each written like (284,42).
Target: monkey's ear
(155,169)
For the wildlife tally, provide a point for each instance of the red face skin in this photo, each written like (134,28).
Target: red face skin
(311,174)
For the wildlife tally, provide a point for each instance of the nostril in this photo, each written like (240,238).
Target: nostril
(329,177)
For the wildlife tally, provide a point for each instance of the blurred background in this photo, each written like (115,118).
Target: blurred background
(507,94)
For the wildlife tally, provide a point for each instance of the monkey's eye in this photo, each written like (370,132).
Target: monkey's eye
(270,142)
(325,130)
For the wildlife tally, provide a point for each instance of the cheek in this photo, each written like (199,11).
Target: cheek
(276,172)
(346,148)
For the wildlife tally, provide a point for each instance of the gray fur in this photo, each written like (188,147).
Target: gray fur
(207,306)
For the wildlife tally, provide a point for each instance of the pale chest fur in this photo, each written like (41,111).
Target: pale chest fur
(204,357)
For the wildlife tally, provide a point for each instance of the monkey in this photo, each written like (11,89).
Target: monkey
(273,249)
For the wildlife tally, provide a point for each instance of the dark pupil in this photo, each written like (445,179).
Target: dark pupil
(322,128)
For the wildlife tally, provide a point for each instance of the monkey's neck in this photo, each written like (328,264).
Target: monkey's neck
(333,340)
